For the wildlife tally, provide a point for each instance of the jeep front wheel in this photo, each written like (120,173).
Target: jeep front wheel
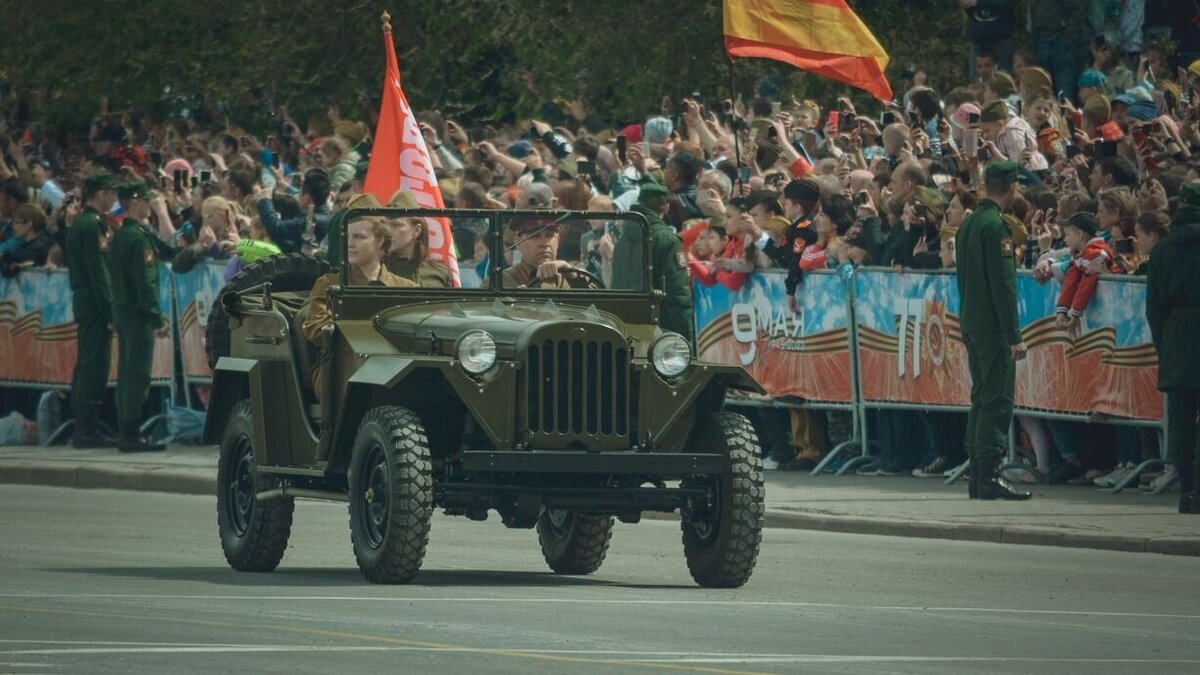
(721,538)
(254,534)
(573,542)
(391,495)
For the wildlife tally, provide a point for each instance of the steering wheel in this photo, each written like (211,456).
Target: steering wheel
(576,278)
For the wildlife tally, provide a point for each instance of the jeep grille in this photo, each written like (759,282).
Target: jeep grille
(577,388)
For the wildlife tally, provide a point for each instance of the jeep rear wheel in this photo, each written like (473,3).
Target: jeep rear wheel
(721,539)
(254,534)
(391,495)
(573,542)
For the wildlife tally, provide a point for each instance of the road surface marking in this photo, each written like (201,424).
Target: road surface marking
(398,642)
(783,604)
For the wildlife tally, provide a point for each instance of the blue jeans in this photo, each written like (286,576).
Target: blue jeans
(1059,58)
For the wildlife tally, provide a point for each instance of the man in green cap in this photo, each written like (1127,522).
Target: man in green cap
(670,273)
(1173,312)
(987,277)
(536,239)
(86,254)
(136,314)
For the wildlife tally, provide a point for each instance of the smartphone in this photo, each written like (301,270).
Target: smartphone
(860,198)
(296,180)
(622,143)
(971,142)
(275,160)
(1077,118)
(888,117)
(585,168)
(1105,149)
(972,118)
(177,180)
(743,174)
(834,120)
(533,133)
(726,106)
(1072,151)
(1020,106)
(193,181)
(205,176)
(984,155)
(1123,246)
(849,122)
(913,120)
(920,210)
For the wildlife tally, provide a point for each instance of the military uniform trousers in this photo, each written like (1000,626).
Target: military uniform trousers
(136,354)
(993,379)
(93,351)
(1183,407)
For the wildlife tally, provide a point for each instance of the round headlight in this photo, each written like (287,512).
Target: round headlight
(476,352)
(670,355)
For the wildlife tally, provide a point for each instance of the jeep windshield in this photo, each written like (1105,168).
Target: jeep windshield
(513,252)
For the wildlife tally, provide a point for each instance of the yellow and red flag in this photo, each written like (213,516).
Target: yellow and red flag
(400,160)
(824,37)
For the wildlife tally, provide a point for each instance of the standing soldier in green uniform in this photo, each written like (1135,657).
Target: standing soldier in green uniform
(987,278)
(670,264)
(136,314)
(1173,312)
(86,253)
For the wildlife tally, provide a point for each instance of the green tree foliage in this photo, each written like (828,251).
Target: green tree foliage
(482,60)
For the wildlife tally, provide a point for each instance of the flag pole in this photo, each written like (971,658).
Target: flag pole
(737,145)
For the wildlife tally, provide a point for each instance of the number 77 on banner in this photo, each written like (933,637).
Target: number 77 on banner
(906,308)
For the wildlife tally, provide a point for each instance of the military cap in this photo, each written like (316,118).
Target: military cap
(1002,172)
(363,201)
(1190,194)
(101,180)
(1036,78)
(1002,84)
(1084,222)
(531,224)
(932,199)
(995,111)
(651,191)
(135,189)
(403,199)
(1098,107)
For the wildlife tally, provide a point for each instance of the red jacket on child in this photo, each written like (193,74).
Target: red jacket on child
(1079,284)
(735,250)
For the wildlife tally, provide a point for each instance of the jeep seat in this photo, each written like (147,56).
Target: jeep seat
(306,355)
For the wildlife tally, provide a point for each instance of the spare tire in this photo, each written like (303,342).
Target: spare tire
(285,271)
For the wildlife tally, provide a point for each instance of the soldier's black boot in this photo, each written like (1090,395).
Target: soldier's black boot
(973,479)
(133,441)
(1187,471)
(91,437)
(991,486)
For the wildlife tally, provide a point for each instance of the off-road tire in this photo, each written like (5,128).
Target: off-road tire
(724,556)
(390,456)
(254,534)
(285,271)
(577,544)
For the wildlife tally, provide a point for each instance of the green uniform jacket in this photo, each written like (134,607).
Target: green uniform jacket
(1173,302)
(87,263)
(135,275)
(669,271)
(987,275)
(429,274)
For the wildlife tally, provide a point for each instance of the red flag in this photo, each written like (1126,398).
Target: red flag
(400,160)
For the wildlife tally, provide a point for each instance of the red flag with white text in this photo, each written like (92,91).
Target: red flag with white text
(400,161)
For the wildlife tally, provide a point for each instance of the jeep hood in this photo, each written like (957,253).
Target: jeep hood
(506,320)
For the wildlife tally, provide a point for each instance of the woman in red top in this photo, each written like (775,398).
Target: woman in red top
(835,217)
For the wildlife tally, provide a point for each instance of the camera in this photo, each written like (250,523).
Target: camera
(622,143)
(585,168)
(972,118)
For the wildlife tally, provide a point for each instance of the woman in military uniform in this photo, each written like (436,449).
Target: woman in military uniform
(366,240)
(408,256)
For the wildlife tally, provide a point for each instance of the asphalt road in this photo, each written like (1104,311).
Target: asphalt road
(128,582)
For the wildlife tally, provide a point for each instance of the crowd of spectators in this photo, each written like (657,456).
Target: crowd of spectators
(1106,129)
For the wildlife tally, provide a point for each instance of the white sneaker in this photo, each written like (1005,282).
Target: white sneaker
(1111,479)
(1167,477)
(770,464)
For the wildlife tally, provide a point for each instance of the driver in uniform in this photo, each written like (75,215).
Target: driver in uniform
(537,242)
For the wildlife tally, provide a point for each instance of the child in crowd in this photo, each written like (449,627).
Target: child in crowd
(1089,256)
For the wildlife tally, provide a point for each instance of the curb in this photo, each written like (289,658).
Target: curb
(197,483)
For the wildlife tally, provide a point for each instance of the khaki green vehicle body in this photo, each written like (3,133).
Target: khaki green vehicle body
(573,415)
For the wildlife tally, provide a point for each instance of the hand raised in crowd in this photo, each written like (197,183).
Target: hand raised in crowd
(691,111)
(997,156)
(906,153)
(1042,271)
(750,226)
(866,209)
(205,238)
(429,134)
(1040,228)
(1019,351)
(920,141)
(606,246)
(636,159)
(1154,196)
(711,204)
(535,161)
(489,150)
(541,128)
(846,106)
(455,133)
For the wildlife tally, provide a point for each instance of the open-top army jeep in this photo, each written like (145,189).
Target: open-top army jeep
(561,409)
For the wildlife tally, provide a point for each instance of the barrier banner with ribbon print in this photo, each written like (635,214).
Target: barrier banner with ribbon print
(195,291)
(805,354)
(37,330)
(910,348)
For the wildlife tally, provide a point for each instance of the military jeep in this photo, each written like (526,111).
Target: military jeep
(561,409)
